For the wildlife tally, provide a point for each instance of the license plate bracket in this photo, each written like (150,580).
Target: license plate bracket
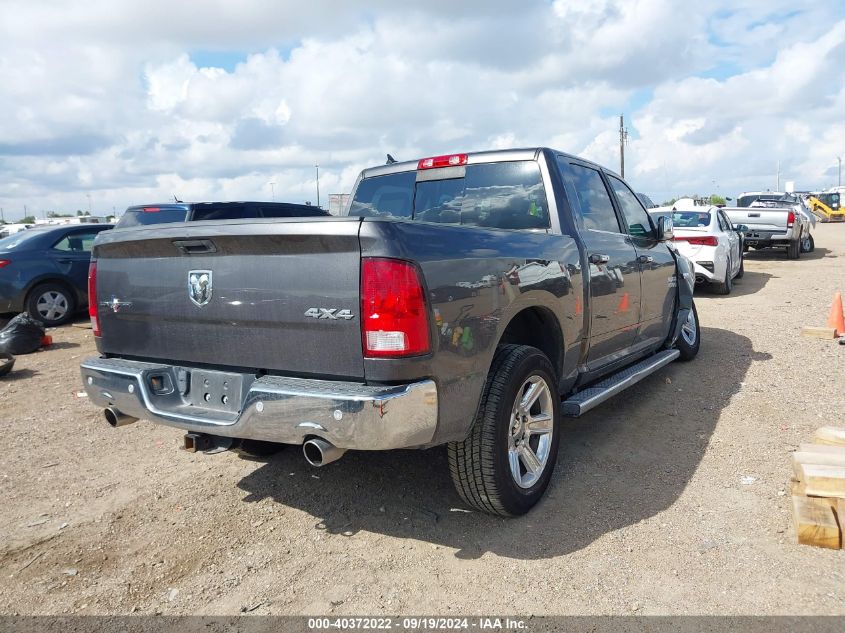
(216,390)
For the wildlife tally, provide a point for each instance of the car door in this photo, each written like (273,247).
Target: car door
(614,285)
(655,263)
(71,254)
(731,239)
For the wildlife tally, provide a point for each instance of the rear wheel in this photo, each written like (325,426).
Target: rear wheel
(793,250)
(52,304)
(505,464)
(689,340)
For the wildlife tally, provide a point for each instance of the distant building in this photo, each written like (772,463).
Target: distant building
(338,202)
(10,229)
(75,219)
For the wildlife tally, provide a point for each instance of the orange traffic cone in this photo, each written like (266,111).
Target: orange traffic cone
(623,304)
(835,319)
(578,309)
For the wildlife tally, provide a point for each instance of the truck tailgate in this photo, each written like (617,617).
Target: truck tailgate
(759,219)
(262,295)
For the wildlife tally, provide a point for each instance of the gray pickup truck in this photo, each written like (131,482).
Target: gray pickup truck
(774,220)
(469,300)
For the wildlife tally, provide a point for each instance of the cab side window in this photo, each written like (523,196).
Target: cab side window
(725,222)
(639,223)
(597,212)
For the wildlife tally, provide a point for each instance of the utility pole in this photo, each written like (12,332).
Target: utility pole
(89,203)
(777,186)
(272,190)
(317,166)
(623,138)
(839,180)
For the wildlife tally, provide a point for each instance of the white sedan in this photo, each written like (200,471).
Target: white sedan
(706,236)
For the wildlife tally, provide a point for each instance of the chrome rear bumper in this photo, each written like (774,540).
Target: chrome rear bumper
(274,408)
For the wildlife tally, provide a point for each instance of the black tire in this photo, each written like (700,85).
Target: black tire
(480,465)
(727,285)
(793,250)
(51,303)
(688,344)
(741,272)
(808,245)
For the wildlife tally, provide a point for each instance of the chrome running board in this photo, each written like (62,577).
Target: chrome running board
(593,396)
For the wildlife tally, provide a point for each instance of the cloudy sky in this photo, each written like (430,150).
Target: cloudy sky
(121,102)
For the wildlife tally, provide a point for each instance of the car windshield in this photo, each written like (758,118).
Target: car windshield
(690,219)
(507,195)
(152,214)
(830,199)
(14,241)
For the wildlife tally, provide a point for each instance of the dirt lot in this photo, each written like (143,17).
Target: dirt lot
(671,499)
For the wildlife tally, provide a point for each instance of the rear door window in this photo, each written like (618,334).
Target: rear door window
(77,242)
(508,195)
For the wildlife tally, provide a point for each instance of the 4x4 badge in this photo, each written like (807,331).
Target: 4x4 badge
(329,313)
(199,286)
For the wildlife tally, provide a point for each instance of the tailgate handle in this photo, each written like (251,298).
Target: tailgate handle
(753,215)
(195,247)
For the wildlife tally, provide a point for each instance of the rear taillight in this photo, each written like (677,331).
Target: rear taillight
(790,219)
(152,209)
(92,297)
(448,160)
(699,241)
(394,318)
(4,263)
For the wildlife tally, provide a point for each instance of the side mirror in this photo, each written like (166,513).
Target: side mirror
(741,228)
(665,229)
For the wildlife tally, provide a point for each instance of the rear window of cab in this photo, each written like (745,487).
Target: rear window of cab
(507,195)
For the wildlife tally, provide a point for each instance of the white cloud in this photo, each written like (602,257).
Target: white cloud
(107,98)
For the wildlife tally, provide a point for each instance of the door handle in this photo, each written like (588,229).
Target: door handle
(598,258)
(195,247)
(645,259)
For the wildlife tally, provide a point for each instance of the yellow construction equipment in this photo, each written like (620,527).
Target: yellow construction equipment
(826,207)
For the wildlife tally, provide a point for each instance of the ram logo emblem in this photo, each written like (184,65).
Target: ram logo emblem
(329,313)
(199,286)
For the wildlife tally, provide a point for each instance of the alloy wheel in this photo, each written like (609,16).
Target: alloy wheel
(531,429)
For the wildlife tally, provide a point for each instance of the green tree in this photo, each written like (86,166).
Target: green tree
(30,219)
(717,199)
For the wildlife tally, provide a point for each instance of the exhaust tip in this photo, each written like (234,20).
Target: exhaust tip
(115,418)
(319,452)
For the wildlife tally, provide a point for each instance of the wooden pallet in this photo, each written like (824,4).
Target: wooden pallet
(818,489)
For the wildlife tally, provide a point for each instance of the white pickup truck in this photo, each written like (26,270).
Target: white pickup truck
(773,220)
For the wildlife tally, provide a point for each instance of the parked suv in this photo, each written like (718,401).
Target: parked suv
(198,211)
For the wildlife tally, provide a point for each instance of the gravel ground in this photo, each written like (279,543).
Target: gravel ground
(671,499)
